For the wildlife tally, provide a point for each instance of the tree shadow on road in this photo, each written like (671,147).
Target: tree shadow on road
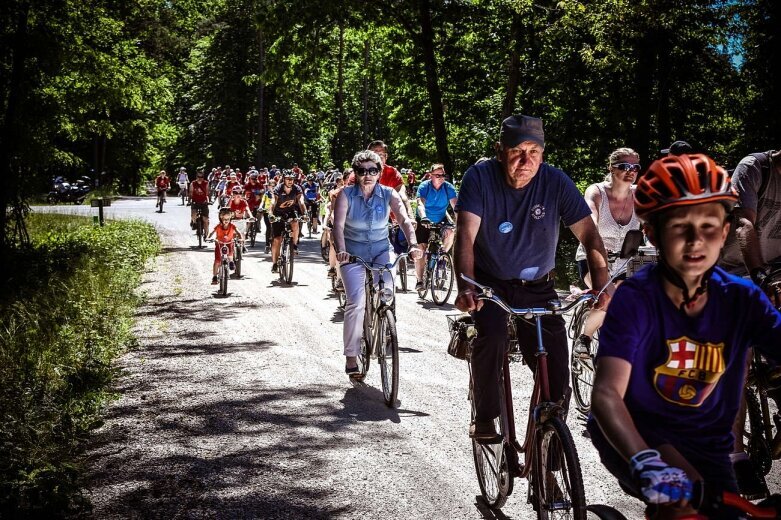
(252,456)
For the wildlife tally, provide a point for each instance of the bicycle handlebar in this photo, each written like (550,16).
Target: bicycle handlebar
(371,266)
(487,293)
(769,508)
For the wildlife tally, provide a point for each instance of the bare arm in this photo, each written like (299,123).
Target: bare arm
(464,259)
(339,216)
(593,199)
(748,239)
(596,256)
(610,411)
(422,208)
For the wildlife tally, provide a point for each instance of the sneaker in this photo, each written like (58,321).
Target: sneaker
(214,280)
(339,285)
(274,268)
(295,249)
(232,266)
(484,432)
(750,484)
(268,249)
(419,286)
(582,346)
(332,272)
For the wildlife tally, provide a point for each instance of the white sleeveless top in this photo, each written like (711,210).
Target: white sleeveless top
(612,232)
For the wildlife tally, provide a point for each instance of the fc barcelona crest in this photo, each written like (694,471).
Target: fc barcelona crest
(691,371)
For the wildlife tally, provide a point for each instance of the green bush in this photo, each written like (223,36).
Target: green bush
(65,316)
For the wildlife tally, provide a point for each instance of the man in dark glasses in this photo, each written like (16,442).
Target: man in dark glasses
(509,209)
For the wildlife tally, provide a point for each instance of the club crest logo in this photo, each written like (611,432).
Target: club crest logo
(690,373)
(538,211)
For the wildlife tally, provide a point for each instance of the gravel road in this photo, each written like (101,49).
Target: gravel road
(239,407)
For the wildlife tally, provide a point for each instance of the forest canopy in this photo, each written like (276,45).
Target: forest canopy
(119,90)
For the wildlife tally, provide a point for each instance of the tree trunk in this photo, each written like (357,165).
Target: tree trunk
(9,138)
(514,72)
(338,146)
(261,100)
(365,114)
(646,68)
(663,113)
(426,42)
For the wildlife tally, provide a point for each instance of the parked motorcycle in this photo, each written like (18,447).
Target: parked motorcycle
(64,191)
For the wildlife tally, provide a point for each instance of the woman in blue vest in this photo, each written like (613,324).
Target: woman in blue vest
(361,215)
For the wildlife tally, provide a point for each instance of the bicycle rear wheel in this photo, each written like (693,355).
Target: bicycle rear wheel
(442,279)
(325,245)
(492,464)
(426,282)
(757,446)
(555,476)
(388,356)
(403,274)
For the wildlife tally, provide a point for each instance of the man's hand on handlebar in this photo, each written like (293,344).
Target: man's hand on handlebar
(425,222)
(415,252)
(467,300)
(342,257)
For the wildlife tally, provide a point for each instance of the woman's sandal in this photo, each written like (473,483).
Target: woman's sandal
(353,372)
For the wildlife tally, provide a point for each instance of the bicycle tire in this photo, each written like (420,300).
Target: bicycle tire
(288,267)
(237,259)
(184,201)
(223,275)
(426,282)
(325,246)
(388,356)
(604,512)
(757,445)
(252,231)
(161,201)
(582,371)
(442,279)
(556,479)
(364,357)
(403,274)
(199,231)
(495,479)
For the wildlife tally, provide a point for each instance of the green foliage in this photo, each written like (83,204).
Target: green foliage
(65,316)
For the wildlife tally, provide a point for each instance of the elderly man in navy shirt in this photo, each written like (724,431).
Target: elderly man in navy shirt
(509,209)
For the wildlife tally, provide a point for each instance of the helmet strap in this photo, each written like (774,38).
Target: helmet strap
(674,278)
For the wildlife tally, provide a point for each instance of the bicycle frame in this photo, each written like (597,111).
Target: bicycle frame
(540,406)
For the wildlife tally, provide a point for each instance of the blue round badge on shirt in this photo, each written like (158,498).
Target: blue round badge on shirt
(505,227)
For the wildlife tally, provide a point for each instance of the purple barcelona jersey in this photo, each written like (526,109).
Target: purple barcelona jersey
(688,373)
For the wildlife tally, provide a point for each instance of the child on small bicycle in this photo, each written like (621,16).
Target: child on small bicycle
(225,233)
(672,351)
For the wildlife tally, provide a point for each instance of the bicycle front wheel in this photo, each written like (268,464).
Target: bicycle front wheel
(556,479)
(199,231)
(388,356)
(582,370)
(442,279)
(223,275)
(403,274)
(237,261)
(288,265)
(325,246)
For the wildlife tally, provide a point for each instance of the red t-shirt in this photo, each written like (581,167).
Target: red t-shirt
(253,191)
(224,235)
(391,177)
(200,191)
(162,183)
(238,207)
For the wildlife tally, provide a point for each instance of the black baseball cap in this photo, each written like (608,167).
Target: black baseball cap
(678,148)
(519,128)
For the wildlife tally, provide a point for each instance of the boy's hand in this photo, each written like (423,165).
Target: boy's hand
(660,483)
(603,301)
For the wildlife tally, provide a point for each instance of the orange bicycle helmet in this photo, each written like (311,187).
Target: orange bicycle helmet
(682,180)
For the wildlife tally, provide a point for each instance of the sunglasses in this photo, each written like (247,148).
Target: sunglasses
(367,171)
(438,176)
(627,167)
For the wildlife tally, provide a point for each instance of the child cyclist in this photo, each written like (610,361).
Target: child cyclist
(225,232)
(672,351)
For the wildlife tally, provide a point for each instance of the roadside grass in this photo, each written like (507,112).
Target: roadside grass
(65,315)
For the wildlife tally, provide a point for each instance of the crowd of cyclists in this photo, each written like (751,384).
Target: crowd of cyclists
(673,339)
